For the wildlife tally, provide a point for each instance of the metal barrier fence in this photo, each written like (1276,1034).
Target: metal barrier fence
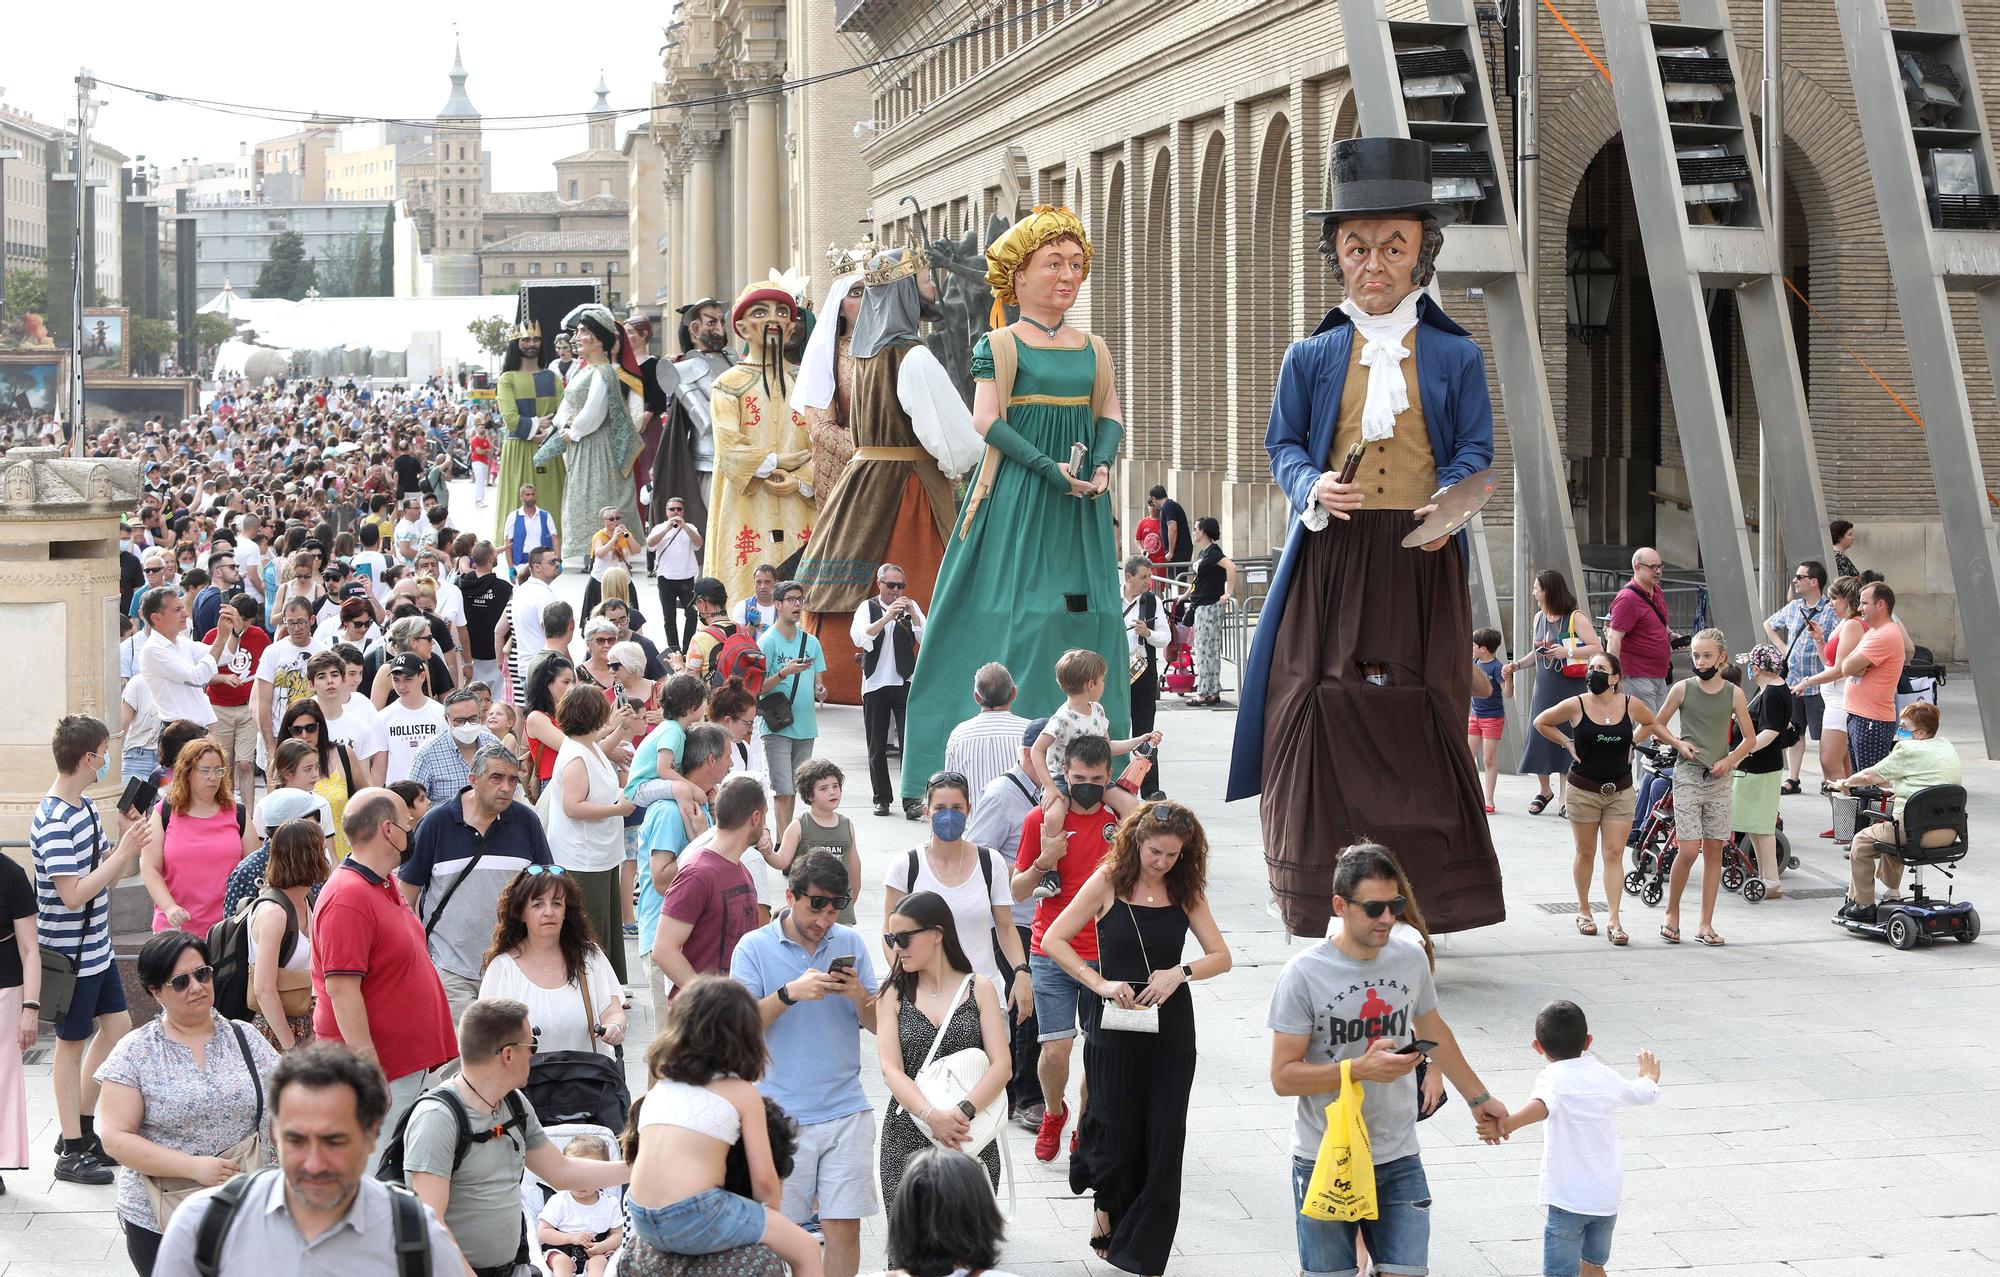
(1686,595)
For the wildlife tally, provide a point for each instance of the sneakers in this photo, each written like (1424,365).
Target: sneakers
(912,809)
(1852,912)
(1050,885)
(881,809)
(80,1166)
(1029,1116)
(631,931)
(1827,835)
(1048,1136)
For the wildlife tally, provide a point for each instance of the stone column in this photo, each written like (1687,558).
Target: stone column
(761,209)
(699,238)
(672,220)
(58,614)
(742,269)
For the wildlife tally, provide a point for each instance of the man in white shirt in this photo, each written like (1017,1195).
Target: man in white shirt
(987,744)
(411,529)
(528,529)
(177,672)
(676,548)
(281,671)
(524,620)
(329,686)
(886,665)
(405,725)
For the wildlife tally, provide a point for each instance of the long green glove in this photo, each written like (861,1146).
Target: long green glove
(1016,448)
(1104,446)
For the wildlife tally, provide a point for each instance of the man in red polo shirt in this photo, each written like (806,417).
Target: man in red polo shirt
(1639,640)
(1073,852)
(376,987)
(235,727)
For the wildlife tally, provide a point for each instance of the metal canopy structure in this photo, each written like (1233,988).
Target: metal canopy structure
(1704,217)
(1930,156)
(1427,80)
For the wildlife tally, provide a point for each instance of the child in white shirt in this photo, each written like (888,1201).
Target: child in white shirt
(1080,673)
(579,1230)
(1583,1168)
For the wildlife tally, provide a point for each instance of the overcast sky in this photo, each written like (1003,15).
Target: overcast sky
(358,57)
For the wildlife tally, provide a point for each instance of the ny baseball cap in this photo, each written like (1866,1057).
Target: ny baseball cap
(408,665)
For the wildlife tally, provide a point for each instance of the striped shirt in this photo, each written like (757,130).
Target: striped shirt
(69,842)
(984,746)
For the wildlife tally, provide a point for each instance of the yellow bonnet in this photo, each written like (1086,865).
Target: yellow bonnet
(1011,251)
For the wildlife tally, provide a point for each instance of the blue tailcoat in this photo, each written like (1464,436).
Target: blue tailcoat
(1458,415)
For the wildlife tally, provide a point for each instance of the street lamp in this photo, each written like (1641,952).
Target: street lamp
(1592,284)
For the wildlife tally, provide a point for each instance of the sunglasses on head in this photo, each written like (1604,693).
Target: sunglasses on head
(200,975)
(536,871)
(901,939)
(1375,908)
(820,904)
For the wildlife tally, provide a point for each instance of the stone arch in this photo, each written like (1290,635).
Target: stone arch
(1153,298)
(1265,283)
(1107,284)
(1203,383)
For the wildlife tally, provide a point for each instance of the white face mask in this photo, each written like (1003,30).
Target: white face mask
(466,733)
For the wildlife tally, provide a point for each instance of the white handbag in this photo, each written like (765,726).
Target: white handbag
(1139,1019)
(948,1080)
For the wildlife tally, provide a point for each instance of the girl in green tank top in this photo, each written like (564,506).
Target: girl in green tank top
(1702,708)
(819,826)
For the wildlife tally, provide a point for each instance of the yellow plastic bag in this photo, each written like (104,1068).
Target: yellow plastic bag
(1343,1180)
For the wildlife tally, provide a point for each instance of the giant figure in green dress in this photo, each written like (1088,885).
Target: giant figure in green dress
(594,432)
(529,394)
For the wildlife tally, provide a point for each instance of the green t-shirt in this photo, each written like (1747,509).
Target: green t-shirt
(484,1212)
(777,650)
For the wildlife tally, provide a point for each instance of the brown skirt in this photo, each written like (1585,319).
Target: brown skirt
(1346,760)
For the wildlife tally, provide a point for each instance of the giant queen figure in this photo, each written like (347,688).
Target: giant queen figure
(1359,679)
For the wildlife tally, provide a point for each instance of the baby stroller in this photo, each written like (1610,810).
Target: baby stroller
(1931,832)
(535,1194)
(1177,669)
(1653,855)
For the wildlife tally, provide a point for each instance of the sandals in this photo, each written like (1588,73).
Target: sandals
(1617,935)
(1541,801)
(1708,938)
(1101,1242)
(1791,787)
(1586,925)
(1672,935)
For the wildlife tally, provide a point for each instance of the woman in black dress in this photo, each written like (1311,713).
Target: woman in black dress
(1214,587)
(1145,897)
(931,990)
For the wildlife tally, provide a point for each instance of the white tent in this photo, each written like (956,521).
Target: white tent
(350,334)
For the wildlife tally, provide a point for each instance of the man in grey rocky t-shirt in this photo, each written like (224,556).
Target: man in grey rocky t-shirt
(1363,996)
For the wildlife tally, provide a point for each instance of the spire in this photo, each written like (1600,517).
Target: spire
(458,106)
(603,102)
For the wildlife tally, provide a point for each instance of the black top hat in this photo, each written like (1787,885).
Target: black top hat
(1380,177)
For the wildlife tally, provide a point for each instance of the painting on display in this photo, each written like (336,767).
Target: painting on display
(104,335)
(29,331)
(31,384)
(127,403)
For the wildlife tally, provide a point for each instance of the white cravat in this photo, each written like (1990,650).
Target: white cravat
(1383,356)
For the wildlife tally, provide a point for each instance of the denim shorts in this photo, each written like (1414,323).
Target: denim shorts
(710,1221)
(1055,997)
(1570,1240)
(137,764)
(1399,1241)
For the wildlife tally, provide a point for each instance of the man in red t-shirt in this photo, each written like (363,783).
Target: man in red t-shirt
(374,984)
(1638,634)
(712,901)
(1074,852)
(235,727)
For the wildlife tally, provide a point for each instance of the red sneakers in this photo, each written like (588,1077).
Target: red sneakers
(1048,1137)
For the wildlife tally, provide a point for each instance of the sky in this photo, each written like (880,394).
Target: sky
(359,57)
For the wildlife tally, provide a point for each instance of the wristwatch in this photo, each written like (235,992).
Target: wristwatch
(1187,972)
(31,1006)
(785,996)
(965,1107)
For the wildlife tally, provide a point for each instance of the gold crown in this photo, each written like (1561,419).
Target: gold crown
(526,329)
(845,261)
(914,259)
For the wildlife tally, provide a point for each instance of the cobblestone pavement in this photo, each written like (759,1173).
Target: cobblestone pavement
(1831,1106)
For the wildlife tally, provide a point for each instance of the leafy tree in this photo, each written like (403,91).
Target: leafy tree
(211,330)
(385,256)
(287,272)
(491,334)
(148,340)
(507,290)
(27,291)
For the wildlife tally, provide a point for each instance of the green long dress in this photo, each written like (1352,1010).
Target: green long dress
(599,465)
(1005,591)
(524,395)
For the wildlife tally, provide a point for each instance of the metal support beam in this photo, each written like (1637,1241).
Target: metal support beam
(1923,264)
(1685,262)
(1486,254)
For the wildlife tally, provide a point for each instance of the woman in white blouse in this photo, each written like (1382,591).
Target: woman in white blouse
(586,824)
(545,956)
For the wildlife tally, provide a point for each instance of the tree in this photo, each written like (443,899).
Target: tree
(385,256)
(27,291)
(508,290)
(211,330)
(491,334)
(150,339)
(287,272)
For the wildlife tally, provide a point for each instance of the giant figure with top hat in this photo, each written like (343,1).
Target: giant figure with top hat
(1359,678)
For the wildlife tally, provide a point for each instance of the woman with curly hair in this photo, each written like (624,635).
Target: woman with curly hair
(1145,897)
(545,955)
(199,834)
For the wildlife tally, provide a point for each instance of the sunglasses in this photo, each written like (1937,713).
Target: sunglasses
(901,939)
(1375,908)
(533,1032)
(894,585)
(536,871)
(950,778)
(820,904)
(1169,813)
(200,975)
(303,729)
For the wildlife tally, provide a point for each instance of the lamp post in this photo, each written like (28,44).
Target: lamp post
(1591,284)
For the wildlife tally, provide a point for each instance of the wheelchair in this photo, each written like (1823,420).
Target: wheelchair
(1931,834)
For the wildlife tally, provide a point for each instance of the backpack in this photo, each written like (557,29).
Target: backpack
(986,855)
(413,1238)
(735,656)
(229,953)
(167,817)
(390,1169)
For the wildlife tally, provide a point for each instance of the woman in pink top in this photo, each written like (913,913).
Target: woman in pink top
(198,836)
(1845,598)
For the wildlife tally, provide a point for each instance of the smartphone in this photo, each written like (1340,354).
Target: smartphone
(840,966)
(1418,1047)
(139,796)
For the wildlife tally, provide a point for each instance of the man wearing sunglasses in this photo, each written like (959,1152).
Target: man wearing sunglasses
(1365,994)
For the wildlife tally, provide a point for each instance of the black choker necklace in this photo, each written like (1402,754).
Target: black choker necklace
(1047,330)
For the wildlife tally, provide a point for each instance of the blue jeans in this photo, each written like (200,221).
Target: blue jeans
(1055,997)
(709,1222)
(1650,787)
(1570,1240)
(1399,1241)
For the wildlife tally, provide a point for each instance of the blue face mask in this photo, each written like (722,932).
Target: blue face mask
(948,824)
(103,768)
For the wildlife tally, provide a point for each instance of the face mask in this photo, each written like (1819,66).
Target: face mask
(1707,672)
(1598,681)
(103,768)
(948,825)
(1085,795)
(466,733)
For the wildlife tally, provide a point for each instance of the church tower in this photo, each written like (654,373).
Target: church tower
(460,174)
(602,118)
